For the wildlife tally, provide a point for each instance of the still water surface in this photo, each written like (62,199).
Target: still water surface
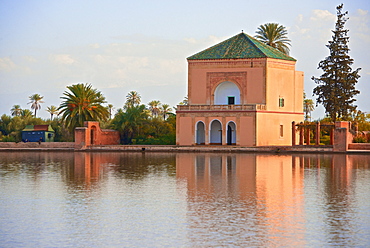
(58,199)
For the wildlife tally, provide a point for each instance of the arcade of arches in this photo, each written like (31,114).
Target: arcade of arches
(218,134)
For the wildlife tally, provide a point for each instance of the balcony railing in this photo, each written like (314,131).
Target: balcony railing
(244,107)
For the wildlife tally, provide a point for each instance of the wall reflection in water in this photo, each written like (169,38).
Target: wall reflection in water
(90,168)
(117,199)
(261,200)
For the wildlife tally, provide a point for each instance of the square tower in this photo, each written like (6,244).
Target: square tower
(240,92)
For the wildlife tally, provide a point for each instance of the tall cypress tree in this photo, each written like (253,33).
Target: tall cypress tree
(336,86)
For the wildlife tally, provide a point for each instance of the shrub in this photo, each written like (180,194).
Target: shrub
(368,137)
(325,139)
(169,139)
(359,139)
(8,138)
(362,138)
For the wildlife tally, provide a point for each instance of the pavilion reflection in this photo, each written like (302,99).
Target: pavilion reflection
(266,191)
(239,173)
(260,189)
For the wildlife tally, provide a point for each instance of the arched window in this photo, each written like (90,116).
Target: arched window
(231,133)
(227,93)
(215,137)
(200,133)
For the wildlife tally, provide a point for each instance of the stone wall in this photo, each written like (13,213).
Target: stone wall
(91,135)
(359,146)
(46,145)
(343,139)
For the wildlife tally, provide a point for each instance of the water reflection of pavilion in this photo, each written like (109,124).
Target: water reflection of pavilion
(262,174)
(265,193)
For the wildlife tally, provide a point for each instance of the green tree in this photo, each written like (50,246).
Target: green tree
(53,110)
(16,110)
(336,86)
(5,120)
(130,122)
(133,99)
(274,35)
(82,103)
(308,107)
(154,107)
(11,127)
(165,110)
(35,101)
(159,132)
(110,109)
(361,119)
(185,101)
(62,134)
(26,113)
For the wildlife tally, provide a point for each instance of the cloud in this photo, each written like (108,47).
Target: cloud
(299,18)
(190,40)
(317,26)
(30,59)
(359,25)
(322,15)
(65,59)
(94,46)
(6,64)
(362,12)
(136,61)
(171,66)
(132,62)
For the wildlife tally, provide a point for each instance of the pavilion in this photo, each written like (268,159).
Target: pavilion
(240,92)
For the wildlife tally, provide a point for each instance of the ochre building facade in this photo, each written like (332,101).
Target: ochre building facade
(240,92)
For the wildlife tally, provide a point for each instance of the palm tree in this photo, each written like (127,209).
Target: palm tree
(26,113)
(52,111)
(110,109)
(133,99)
(130,122)
(16,110)
(308,107)
(185,101)
(36,99)
(82,103)
(154,107)
(274,35)
(165,109)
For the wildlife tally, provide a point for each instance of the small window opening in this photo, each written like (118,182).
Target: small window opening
(281,131)
(281,102)
(231,100)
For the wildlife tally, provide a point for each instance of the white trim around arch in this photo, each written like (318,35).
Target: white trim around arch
(200,135)
(225,90)
(231,133)
(215,136)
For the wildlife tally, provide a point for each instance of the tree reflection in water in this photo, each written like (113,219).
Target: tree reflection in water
(183,199)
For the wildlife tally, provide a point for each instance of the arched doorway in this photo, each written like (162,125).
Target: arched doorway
(227,93)
(215,137)
(92,135)
(200,134)
(231,133)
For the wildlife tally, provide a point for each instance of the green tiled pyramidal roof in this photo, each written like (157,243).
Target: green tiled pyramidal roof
(240,46)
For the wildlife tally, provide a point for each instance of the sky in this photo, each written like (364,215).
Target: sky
(120,46)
